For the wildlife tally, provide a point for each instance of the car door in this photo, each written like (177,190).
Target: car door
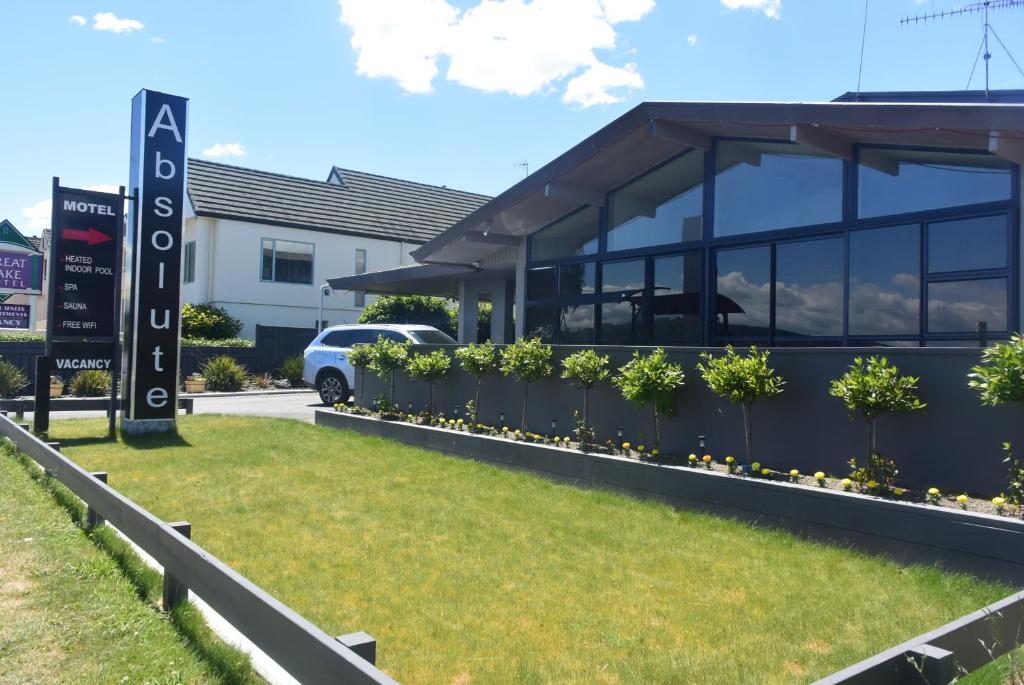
(336,345)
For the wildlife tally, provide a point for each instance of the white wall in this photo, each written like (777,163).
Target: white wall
(228,264)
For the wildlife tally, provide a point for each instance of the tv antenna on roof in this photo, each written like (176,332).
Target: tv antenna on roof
(525,166)
(983,7)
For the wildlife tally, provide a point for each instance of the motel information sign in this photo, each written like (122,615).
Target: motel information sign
(14,315)
(21,271)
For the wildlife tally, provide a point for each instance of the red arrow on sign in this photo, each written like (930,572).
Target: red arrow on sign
(90,235)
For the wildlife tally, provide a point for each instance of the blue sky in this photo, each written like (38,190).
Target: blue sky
(451,92)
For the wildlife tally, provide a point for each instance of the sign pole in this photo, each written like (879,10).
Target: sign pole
(41,409)
(115,370)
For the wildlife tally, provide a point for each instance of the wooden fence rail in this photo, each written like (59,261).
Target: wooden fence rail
(307,653)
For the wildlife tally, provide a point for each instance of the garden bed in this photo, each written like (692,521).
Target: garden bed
(981,543)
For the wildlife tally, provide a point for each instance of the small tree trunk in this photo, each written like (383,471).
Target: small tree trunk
(476,398)
(361,381)
(748,429)
(657,433)
(391,399)
(871,437)
(430,402)
(526,390)
(586,407)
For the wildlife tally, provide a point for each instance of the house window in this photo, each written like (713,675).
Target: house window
(743,300)
(284,261)
(768,186)
(885,281)
(572,236)
(809,288)
(360,298)
(900,181)
(188,263)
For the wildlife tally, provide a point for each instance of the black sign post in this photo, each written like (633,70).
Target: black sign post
(84,300)
(152,338)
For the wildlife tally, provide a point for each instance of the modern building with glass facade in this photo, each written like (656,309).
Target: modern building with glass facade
(893,221)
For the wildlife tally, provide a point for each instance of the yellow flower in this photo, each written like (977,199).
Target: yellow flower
(934,492)
(504,429)
(819,475)
(794,473)
(693,457)
(846,483)
(707,458)
(640,448)
(999,501)
(730,460)
(625,445)
(898,491)
(654,452)
(518,433)
(872,484)
(962,499)
(765,472)
(459,422)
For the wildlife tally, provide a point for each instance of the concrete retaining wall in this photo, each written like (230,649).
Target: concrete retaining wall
(985,545)
(955,445)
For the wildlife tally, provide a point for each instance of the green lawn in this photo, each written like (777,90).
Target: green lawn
(466,573)
(67,613)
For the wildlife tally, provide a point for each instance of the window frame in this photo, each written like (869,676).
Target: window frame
(188,263)
(273,262)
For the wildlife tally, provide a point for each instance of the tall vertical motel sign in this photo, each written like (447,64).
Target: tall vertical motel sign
(152,336)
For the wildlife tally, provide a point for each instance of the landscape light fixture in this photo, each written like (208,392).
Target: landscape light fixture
(618,433)
(501,418)
(410,407)
(554,427)
(701,440)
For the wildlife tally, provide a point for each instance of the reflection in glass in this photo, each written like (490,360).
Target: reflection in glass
(766,186)
(676,302)
(622,323)
(662,207)
(577,279)
(540,323)
(885,281)
(809,287)
(961,306)
(622,276)
(572,236)
(898,181)
(267,272)
(540,283)
(743,296)
(576,324)
(968,244)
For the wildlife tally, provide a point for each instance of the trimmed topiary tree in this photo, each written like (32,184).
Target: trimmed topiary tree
(999,379)
(208,321)
(741,380)
(653,381)
(875,389)
(431,368)
(478,360)
(388,356)
(527,361)
(585,369)
(360,357)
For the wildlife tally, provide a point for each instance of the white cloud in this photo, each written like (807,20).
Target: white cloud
(108,21)
(521,47)
(39,214)
(77,19)
(225,150)
(692,39)
(771,8)
(157,39)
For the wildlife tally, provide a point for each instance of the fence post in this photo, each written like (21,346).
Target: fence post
(364,645)
(92,519)
(175,591)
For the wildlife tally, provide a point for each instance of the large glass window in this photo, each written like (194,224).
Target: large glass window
(885,281)
(285,261)
(576,324)
(540,322)
(572,236)
(899,181)
(809,288)
(766,186)
(541,283)
(743,298)
(577,279)
(968,244)
(621,276)
(967,306)
(664,206)
(622,323)
(676,300)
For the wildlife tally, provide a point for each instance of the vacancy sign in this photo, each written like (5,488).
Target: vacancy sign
(85,239)
(157,180)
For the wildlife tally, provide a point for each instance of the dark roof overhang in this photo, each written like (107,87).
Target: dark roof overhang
(441,280)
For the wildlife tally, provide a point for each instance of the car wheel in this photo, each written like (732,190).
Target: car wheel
(332,388)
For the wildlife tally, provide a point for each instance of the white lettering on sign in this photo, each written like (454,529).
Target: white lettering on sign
(170,125)
(162,237)
(160,162)
(88,208)
(157,353)
(102,364)
(167,319)
(156,398)
(163,207)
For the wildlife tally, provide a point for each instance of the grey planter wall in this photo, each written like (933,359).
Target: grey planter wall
(956,444)
(984,545)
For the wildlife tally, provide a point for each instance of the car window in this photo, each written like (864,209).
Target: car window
(391,335)
(432,337)
(337,339)
(366,336)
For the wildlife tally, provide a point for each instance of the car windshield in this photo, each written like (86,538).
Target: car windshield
(432,337)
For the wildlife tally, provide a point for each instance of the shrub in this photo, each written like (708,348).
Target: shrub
(741,380)
(291,370)
(22,336)
(261,381)
(360,357)
(431,368)
(223,342)
(652,380)
(387,357)
(208,321)
(584,369)
(91,383)
(224,374)
(12,379)
(999,379)
(877,469)
(417,309)
(478,360)
(875,389)
(526,361)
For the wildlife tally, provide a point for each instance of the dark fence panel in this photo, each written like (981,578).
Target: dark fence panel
(23,355)
(274,344)
(193,358)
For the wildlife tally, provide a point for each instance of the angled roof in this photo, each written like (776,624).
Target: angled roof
(362,205)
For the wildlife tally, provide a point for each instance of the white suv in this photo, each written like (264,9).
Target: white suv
(326,365)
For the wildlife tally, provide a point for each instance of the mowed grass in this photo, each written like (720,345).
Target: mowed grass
(67,613)
(466,573)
